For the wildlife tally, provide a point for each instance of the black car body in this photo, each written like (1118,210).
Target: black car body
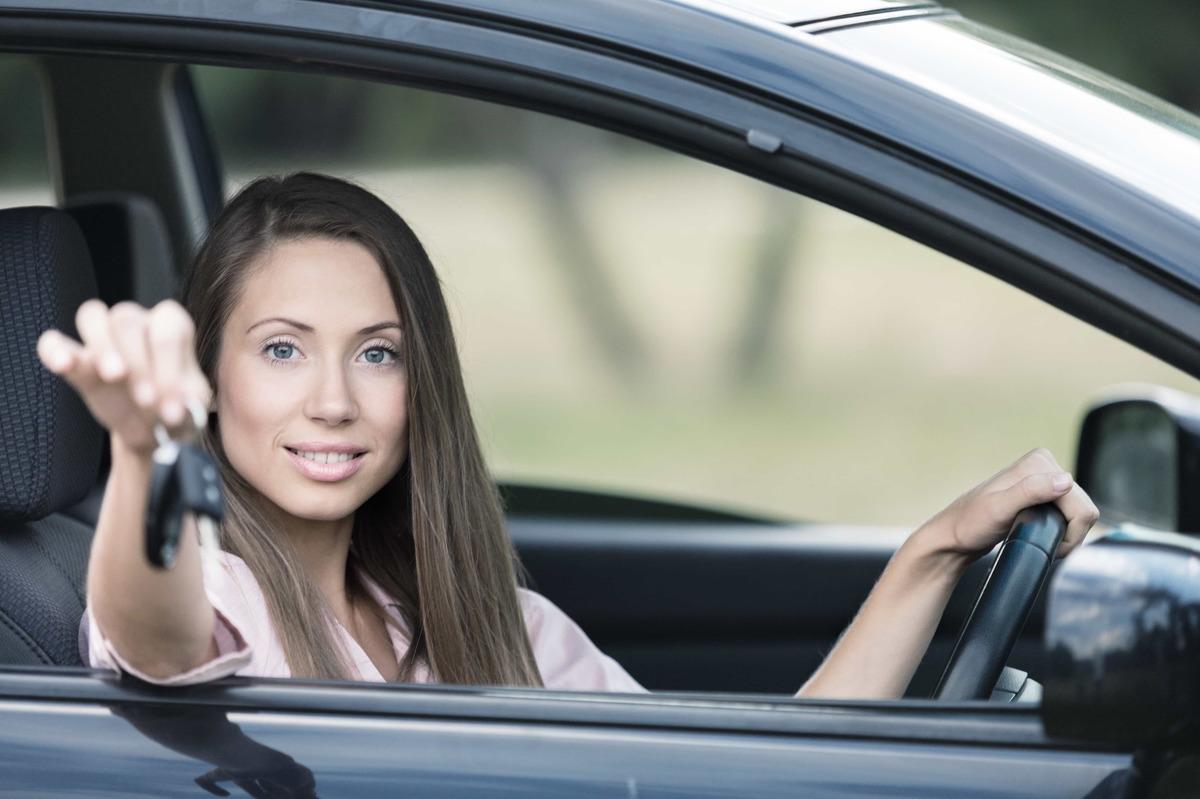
(858,104)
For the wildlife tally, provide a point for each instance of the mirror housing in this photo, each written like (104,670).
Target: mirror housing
(1139,458)
(1123,642)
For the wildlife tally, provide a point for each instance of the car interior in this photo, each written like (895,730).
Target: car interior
(687,597)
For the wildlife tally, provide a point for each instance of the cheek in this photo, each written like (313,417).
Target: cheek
(250,416)
(383,405)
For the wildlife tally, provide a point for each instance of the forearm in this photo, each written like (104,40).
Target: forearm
(159,620)
(877,654)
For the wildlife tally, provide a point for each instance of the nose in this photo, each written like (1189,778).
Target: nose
(331,395)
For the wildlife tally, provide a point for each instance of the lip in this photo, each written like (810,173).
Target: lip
(325,446)
(326,472)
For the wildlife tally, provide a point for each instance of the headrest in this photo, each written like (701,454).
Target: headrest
(129,244)
(49,443)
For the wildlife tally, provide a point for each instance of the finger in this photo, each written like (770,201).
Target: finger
(109,403)
(1036,489)
(1038,460)
(1081,514)
(1032,462)
(69,360)
(169,332)
(58,352)
(91,320)
(127,326)
(198,389)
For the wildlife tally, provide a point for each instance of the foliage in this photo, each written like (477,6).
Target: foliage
(1151,44)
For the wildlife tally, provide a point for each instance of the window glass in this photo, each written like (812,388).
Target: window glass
(25,176)
(636,321)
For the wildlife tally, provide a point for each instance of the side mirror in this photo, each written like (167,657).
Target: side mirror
(1123,642)
(1139,458)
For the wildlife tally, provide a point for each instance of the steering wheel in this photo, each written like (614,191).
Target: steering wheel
(1003,605)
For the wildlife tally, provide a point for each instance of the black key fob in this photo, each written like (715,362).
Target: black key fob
(199,483)
(184,480)
(164,514)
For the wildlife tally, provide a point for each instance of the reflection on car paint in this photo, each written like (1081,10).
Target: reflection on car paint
(207,734)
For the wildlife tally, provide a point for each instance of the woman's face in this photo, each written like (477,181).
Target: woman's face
(311,389)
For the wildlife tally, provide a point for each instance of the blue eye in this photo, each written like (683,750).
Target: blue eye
(379,356)
(280,350)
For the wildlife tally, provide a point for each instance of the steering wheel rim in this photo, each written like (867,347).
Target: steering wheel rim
(1003,605)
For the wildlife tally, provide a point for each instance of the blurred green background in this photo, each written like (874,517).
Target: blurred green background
(633,320)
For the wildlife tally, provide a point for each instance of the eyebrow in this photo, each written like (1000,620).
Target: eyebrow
(366,331)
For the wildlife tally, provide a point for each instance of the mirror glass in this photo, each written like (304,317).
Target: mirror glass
(1133,474)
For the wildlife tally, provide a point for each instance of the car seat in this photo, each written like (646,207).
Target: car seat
(51,443)
(131,254)
(129,244)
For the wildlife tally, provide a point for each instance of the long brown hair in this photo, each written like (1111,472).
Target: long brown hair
(434,537)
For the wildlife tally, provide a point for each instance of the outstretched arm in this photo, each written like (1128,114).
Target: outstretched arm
(877,654)
(136,368)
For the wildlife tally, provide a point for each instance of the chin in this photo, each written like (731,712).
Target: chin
(311,505)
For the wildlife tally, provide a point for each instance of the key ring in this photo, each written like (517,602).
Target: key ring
(199,416)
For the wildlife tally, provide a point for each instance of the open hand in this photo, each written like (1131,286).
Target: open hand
(982,517)
(135,367)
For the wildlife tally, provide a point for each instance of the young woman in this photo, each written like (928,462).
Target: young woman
(364,538)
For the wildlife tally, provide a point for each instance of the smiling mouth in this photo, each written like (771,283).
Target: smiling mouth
(325,457)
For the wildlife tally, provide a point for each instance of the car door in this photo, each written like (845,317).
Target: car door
(68,733)
(667,578)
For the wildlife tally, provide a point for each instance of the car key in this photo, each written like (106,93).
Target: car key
(184,480)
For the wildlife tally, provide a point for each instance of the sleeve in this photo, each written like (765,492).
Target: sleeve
(566,657)
(233,651)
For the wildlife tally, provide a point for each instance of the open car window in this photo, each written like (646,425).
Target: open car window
(645,325)
(638,322)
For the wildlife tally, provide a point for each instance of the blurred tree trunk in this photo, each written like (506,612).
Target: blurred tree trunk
(555,161)
(770,269)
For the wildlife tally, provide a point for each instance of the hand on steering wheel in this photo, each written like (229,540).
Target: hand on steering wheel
(1003,605)
(981,518)
(1041,514)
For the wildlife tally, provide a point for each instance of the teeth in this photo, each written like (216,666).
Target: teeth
(325,457)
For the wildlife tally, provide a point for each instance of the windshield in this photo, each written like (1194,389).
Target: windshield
(1144,141)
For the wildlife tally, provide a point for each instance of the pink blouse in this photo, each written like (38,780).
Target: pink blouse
(247,644)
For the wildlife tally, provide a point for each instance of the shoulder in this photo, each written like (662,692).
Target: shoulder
(544,619)
(534,606)
(566,657)
(552,633)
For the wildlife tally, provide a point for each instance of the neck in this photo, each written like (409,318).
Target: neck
(323,547)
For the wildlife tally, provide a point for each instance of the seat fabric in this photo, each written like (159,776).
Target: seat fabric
(49,443)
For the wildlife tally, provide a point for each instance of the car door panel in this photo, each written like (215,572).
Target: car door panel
(429,742)
(725,606)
